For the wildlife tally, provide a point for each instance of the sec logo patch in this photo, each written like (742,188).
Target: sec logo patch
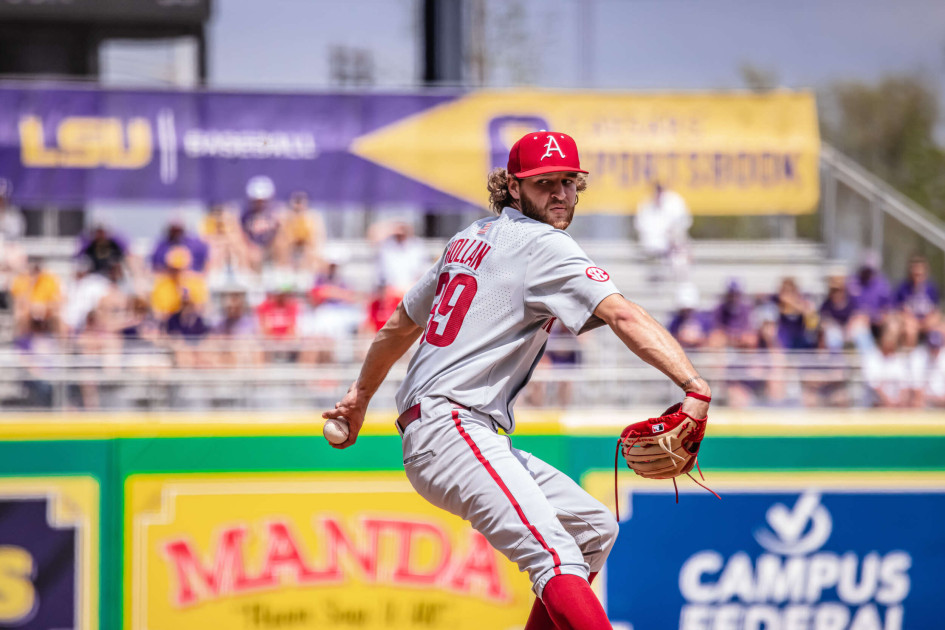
(598,274)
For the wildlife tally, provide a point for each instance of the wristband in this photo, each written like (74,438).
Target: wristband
(699,396)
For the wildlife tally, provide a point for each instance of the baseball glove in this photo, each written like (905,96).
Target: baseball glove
(663,447)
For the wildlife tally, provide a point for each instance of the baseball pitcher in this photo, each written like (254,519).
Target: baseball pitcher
(483,315)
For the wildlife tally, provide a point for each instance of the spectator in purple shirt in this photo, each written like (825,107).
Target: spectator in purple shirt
(797,317)
(37,349)
(187,322)
(235,335)
(918,299)
(177,238)
(690,326)
(870,288)
(141,329)
(238,321)
(756,377)
(838,314)
(732,320)
(260,220)
(186,330)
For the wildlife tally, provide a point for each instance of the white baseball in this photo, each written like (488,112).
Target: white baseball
(335,430)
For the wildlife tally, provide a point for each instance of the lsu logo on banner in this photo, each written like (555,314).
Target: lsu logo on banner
(86,142)
(308,550)
(49,553)
(18,600)
(808,558)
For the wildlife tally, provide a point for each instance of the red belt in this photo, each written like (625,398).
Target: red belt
(404,420)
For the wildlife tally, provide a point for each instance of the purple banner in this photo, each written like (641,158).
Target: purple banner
(66,145)
(38,568)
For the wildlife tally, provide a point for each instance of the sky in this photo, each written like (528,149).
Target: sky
(285,44)
(603,44)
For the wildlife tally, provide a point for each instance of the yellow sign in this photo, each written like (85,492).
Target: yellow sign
(87,142)
(49,547)
(307,550)
(724,153)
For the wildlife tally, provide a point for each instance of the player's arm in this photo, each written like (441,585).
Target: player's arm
(647,338)
(391,342)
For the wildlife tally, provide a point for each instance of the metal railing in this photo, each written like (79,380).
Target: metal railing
(884,200)
(309,374)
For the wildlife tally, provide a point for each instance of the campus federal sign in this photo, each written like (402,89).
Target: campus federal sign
(726,153)
(810,557)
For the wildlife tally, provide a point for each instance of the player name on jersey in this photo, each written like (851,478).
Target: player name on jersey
(467,251)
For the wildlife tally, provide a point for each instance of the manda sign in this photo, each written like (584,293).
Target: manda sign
(803,560)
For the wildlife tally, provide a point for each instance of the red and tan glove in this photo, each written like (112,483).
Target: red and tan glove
(663,447)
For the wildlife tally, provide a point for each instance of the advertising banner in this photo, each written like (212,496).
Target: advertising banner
(307,550)
(724,153)
(831,551)
(68,145)
(49,553)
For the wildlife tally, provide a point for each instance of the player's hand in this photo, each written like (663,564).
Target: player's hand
(695,408)
(352,408)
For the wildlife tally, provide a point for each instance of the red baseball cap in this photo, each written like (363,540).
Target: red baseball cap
(542,152)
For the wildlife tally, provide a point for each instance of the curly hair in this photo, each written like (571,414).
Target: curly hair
(498,187)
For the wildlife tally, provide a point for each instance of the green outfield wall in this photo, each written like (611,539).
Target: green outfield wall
(245,520)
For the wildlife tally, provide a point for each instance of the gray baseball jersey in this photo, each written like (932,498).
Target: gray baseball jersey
(487,307)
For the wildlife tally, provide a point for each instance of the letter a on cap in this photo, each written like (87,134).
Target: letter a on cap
(552,145)
(536,154)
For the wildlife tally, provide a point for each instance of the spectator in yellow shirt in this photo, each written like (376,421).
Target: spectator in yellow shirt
(224,236)
(37,294)
(170,285)
(301,235)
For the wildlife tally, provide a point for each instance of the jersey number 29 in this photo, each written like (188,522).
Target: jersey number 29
(452,301)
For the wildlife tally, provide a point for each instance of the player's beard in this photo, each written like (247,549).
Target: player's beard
(532,211)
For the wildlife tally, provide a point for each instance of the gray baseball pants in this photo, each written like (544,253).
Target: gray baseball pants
(534,514)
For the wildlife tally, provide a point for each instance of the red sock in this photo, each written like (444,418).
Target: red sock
(572,605)
(538,619)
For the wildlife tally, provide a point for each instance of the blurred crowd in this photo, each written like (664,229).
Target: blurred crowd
(248,286)
(895,330)
(258,284)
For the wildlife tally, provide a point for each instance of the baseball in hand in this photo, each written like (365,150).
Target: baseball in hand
(335,430)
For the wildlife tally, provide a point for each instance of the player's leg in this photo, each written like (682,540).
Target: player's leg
(539,618)
(571,604)
(589,521)
(471,471)
(460,464)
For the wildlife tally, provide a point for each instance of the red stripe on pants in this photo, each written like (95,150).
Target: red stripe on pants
(508,494)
